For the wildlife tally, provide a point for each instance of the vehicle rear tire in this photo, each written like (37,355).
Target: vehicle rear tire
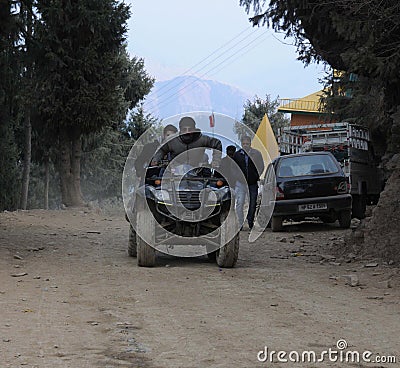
(227,255)
(344,219)
(132,243)
(276,223)
(359,205)
(146,254)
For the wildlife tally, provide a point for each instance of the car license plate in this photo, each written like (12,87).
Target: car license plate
(312,207)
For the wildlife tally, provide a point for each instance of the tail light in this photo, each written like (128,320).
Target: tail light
(279,194)
(343,187)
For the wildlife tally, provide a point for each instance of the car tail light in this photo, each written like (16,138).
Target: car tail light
(342,188)
(279,194)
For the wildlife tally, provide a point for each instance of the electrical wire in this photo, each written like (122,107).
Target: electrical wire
(207,57)
(172,85)
(221,65)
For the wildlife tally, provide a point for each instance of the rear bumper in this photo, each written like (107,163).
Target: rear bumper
(290,207)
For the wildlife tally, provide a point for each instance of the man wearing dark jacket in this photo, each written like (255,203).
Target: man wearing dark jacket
(226,169)
(190,145)
(149,150)
(251,163)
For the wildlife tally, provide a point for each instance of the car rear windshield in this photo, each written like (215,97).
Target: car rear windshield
(307,165)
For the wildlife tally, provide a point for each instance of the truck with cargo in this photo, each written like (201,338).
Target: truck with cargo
(351,146)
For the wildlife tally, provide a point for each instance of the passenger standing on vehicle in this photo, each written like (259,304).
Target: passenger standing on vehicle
(169,130)
(191,141)
(149,149)
(250,162)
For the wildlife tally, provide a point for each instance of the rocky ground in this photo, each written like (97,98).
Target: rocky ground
(71,297)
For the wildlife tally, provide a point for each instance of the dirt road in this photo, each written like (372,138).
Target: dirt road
(71,297)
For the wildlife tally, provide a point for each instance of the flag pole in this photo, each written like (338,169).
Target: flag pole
(212,123)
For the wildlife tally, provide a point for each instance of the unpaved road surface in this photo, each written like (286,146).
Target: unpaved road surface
(71,297)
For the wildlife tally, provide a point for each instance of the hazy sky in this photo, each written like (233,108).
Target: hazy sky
(213,39)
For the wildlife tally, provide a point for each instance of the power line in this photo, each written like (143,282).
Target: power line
(235,55)
(241,54)
(215,51)
(166,102)
(222,53)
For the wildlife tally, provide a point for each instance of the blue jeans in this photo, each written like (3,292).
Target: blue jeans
(241,194)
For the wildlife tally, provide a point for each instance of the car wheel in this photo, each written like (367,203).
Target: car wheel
(227,254)
(276,223)
(345,219)
(132,244)
(146,254)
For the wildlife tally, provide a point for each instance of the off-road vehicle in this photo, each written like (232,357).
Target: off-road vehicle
(185,209)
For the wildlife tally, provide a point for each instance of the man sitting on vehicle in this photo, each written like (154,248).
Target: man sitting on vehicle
(192,144)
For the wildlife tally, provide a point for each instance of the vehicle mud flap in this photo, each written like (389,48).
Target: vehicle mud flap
(276,223)
(228,253)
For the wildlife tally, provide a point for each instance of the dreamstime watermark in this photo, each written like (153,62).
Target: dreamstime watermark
(340,355)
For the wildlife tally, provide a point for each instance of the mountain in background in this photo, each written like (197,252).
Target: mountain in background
(188,93)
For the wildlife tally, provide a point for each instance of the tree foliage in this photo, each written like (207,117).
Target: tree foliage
(354,36)
(135,81)
(85,80)
(64,65)
(105,153)
(139,121)
(255,110)
(103,159)
(80,61)
(9,76)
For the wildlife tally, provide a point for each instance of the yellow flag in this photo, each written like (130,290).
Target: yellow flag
(265,141)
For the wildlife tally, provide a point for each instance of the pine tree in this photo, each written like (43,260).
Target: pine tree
(84,79)
(9,153)
(139,122)
(255,110)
